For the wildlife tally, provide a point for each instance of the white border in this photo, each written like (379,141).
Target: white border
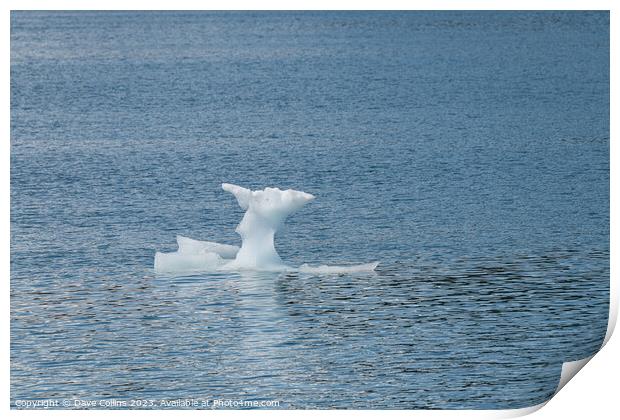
(600,384)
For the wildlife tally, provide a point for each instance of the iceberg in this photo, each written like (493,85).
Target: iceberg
(192,246)
(265,213)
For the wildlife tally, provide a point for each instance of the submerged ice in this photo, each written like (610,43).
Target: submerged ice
(265,212)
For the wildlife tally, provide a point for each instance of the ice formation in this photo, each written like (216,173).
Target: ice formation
(265,212)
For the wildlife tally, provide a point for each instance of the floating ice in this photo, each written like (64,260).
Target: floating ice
(192,246)
(266,211)
(337,269)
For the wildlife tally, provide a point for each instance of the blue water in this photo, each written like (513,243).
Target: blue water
(468,152)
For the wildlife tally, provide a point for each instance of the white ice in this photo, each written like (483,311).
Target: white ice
(266,211)
(337,269)
(192,246)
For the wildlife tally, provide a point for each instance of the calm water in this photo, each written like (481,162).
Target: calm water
(468,152)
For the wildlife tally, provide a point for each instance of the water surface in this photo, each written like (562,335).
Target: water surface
(466,151)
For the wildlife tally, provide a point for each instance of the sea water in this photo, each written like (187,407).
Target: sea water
(468,152)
